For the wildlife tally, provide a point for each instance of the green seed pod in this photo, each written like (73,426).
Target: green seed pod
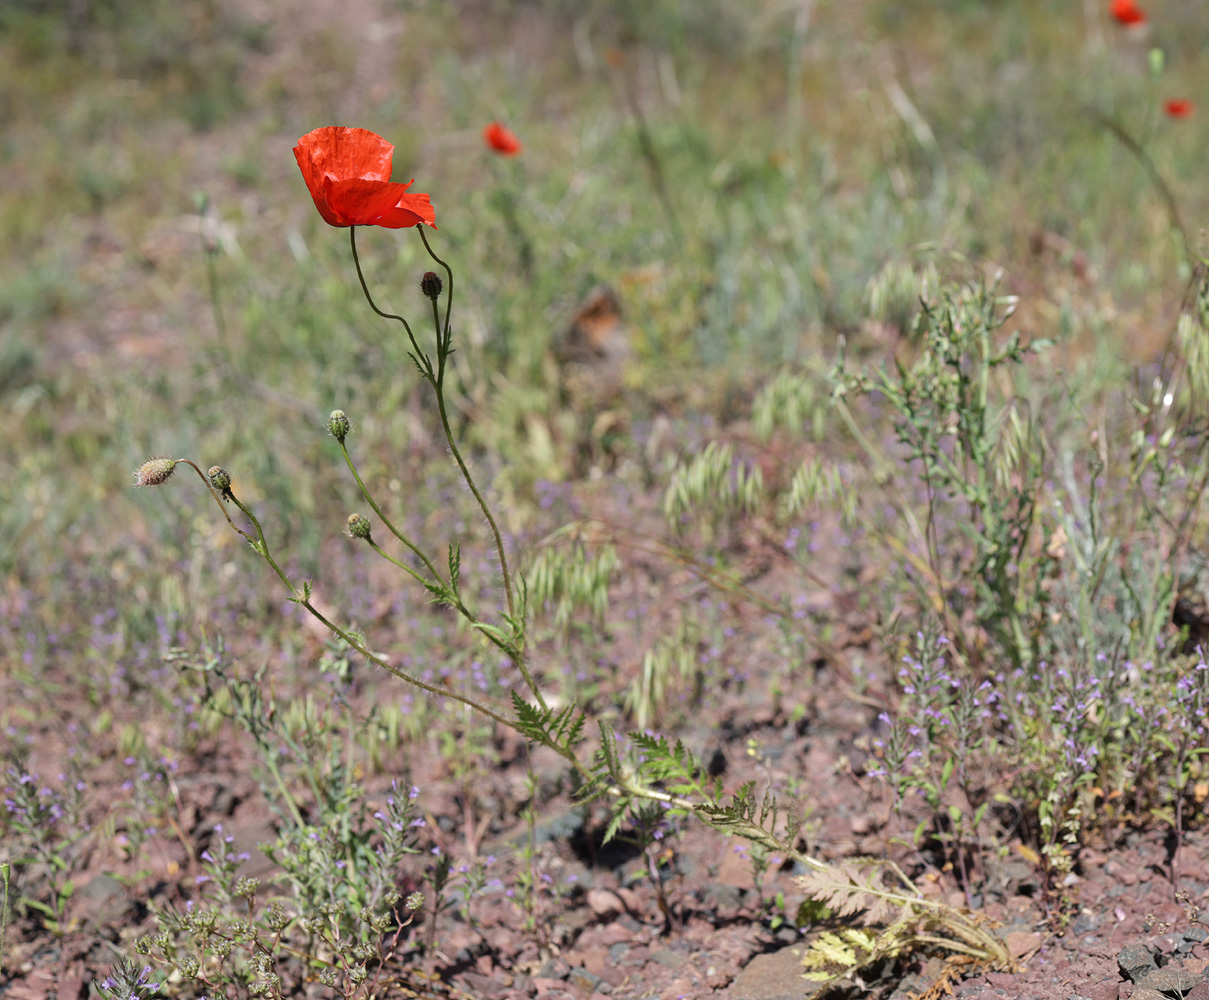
(358,526)
(220,479)
(338,424)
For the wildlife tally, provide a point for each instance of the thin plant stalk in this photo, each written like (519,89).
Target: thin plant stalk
(5,867)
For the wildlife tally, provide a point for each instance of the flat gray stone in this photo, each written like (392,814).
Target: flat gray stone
(776,975)
(1169,980)
(1135,961)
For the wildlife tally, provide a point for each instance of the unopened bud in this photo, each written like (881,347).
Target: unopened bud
(358,526)
(338,424)
(154,472)
(414,902)
(220,479)
(431,284)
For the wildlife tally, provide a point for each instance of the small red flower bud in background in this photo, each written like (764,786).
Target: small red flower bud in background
(501,140)
(1178,107)
(1127,12)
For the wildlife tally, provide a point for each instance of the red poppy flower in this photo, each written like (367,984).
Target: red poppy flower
(501,140)
(1178,107)
(347,171)
(1127,12)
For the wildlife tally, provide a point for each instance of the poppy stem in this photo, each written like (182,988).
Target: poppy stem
(444,336)
(302,597)
(444,339)
(426,367)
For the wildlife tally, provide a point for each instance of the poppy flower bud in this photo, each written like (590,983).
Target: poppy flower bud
(358,526)
(338,424)
(154,472)
(220,479)
(431,284)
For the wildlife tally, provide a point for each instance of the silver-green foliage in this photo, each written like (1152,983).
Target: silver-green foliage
(565,581)
(712,488)
(979,454)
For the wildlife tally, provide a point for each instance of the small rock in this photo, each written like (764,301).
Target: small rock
(1105,990)
(1169,980)
(666,956)
(1135,961)
(616,933)
(72,988)
(1085,923)
(723,897)
(595,960)
(630,899)
(555,968)
(787,935)
(586,982)
(487,987)
(910,986)
(773,976)
(605,903)
(104,901)
(1001,980)
(1021,943)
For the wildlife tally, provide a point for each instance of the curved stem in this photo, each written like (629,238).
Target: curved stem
(495,531)
(442,331)
(458,604)
(217,499)
(444,337)
(384,519)
(1152,171)
(396,562)
(303,598)
(385,315)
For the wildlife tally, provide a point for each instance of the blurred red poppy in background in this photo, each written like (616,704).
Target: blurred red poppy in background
(1128,12)
(501,140)
(347,171)
(1178,107)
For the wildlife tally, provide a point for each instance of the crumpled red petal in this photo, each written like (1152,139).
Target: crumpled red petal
(347,171)
(374,203)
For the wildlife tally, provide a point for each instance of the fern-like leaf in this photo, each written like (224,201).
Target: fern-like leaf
(833,955)
(856,886)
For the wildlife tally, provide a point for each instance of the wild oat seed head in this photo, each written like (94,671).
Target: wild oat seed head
(338,424)
(220,478)
(431,284)
(358,526)
(154,472)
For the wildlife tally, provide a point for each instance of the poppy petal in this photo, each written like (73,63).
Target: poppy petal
(338,151)
(359,202)
(347,171)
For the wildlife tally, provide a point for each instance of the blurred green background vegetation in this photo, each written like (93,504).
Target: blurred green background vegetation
(737,172)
